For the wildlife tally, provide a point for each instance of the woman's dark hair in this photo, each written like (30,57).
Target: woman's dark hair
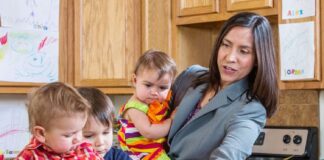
(263,83)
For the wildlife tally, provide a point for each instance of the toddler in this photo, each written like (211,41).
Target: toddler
(144,122)
(57,113)
(99,126)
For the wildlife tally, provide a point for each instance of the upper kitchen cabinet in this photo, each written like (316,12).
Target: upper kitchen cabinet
(196,7)
(202,11)
(239,5)
(107,43)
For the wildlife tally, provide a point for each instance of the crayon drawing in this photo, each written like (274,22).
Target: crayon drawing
(28,56)
(14,133)
(30,14)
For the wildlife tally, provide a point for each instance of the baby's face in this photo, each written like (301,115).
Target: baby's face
(65,133)
(100,136)
(150,87)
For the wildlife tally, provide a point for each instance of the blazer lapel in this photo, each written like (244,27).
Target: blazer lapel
(224,97)
(187,104)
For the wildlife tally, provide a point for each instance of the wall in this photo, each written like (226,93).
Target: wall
(321,115)
(14,134)
(297,108)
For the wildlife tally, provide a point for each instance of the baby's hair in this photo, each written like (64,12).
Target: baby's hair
(54,100)
(102,109)
(153,59)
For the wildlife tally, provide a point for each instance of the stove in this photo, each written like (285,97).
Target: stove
(287,143)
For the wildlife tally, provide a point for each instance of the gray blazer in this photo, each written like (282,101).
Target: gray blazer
(225,128)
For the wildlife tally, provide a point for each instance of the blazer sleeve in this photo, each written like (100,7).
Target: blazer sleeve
(241,133)
(183,82)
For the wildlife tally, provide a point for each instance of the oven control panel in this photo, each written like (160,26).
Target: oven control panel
(281,141)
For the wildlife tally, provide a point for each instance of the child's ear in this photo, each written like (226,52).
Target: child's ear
(39,133)
(133,79)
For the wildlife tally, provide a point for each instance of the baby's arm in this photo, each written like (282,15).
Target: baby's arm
(145,127)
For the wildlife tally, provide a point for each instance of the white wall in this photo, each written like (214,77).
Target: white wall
(14,134)
(321,130)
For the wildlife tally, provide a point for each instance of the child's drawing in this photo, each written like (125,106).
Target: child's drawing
(29,56)
(14,133)
(30,14)
(29,40)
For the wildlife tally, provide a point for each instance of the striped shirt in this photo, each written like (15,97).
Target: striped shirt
(132,142)
(36,150)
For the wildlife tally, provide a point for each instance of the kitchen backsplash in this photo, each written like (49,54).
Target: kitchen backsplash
(297,108)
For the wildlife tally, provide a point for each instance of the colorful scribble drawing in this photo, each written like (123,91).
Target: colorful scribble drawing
(30,14)
(3,45)
(29,56)
(14,133)
(10,135)
(29,40)
(37,62)
(11,132)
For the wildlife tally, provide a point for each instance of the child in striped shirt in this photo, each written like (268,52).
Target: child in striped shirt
(144,118)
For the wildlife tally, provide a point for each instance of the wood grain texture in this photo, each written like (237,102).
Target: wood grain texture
(196,7)
(108,41)
(194,46)
(222,14)
(239,5)
(156,25)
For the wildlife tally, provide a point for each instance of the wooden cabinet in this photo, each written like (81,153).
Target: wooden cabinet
(196,7)
(107,42)
(203,11)
(156,25)
(239,5)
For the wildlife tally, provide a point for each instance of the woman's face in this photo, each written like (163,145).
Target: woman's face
(236,58)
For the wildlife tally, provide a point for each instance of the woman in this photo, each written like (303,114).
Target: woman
(221,111)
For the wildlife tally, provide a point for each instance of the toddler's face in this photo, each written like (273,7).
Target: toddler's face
(149,87)
(65,133)
(100,136)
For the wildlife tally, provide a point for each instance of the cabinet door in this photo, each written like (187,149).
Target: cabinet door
(107,41)
(196,7)
(237,5)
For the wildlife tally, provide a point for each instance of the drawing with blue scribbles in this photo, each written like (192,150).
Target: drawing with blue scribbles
(29,44)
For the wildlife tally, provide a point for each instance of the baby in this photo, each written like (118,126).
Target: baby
(57,113)
(144,118)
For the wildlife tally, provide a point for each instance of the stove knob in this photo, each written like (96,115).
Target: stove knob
(297,139)
(286,139)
